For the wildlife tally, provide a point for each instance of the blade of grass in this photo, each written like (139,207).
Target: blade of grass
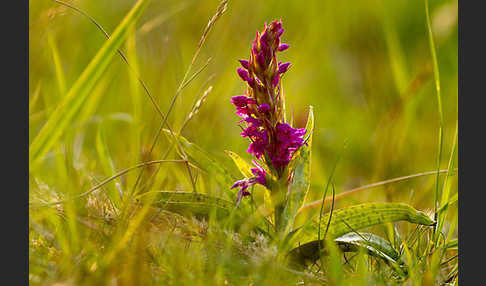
(120,52)
(370,186)
(69,106)
(219,12)
(319,249)
(133,225)
(136,95)
(61,82)
(91,104)
(439,104)
(106,164)
(34,99)
(196,106)
(452,244)
(133,70)
(446,189)
(325,191)
(206,162)
(323,197)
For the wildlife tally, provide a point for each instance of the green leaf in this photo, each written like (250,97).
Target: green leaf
(309,127)
(241,164)
(374,245)
(378,245)
(67,110)
(353,242)
(351,219)
(190,203)
(205,162)
(301,177)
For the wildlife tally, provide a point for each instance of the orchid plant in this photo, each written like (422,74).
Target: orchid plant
(282,165)
(273,141)
(282,152)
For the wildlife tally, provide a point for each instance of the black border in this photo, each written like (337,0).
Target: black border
(15,107)
(472,147)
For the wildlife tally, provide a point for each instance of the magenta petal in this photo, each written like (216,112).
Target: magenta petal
(241,193)
(275,80)
(264,38)
(239,100)
(264,108)
(253,121)
(264,46)
(283,67)
(261,58)
(254,46)
(260,179)
(243,74)
(259,173)
(244,63)
(283,47)
(240,183)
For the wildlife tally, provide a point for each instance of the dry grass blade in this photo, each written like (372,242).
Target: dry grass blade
(197,106)
(223,5)
(219,11)
(154,23)
(370,186)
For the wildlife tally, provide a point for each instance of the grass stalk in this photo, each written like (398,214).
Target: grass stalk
(370,186)
(69,106)
(439,104)
(331,175)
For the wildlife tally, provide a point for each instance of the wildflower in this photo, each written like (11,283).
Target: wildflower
(244,63)
(259,177)
(264,108)
(283,47)
(241,102)
(283,67)
(271,139)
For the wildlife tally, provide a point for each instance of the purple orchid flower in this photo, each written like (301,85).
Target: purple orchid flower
(271,139)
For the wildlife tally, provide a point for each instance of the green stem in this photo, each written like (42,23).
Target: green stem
(279,194)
